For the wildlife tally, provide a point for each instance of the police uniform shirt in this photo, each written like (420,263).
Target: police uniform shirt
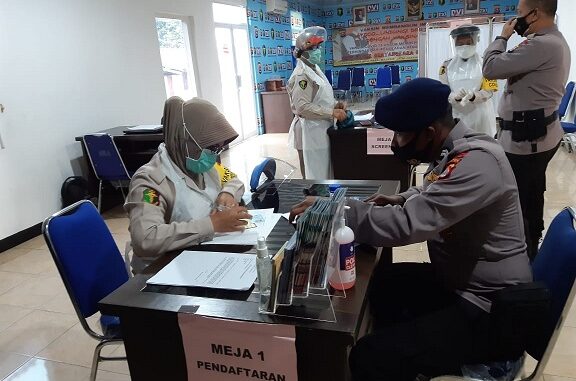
(469,212)
(537,71)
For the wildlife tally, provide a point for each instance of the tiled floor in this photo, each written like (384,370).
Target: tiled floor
(41,339)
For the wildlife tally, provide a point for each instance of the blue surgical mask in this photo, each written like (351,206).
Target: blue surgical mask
(315,56)
(207,157)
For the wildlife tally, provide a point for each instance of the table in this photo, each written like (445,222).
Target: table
(350,160)
(149,314)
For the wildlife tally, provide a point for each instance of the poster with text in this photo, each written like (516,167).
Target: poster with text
(375,44)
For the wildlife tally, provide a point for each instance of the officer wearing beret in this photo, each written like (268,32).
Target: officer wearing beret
(430,318)
(530,132)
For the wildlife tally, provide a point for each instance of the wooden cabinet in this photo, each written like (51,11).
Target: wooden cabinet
(277,112)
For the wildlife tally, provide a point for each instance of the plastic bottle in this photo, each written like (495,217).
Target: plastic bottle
(345,276)
(264,270)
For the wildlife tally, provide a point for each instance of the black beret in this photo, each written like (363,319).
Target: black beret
(413,106)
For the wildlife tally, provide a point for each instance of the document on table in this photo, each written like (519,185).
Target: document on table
(230,271)
(362,117)
(263,221)
(144,128)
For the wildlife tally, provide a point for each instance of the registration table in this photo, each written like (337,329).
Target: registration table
(149,314)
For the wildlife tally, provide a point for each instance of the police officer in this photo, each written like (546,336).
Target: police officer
(183,195)
(430,318)
(471,96)
(313,105)
(530,132)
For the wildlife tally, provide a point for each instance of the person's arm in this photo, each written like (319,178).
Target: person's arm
(235,187)
(473,183)
(501,64)
(301,96)
(151,233)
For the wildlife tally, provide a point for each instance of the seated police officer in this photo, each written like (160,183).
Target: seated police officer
(431,318)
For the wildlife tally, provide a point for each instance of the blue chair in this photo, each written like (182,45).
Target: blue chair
(569,139)
(395,76)
(91,267)
(383,82)
(262,175)
(329,76)
(344,83)
(106,162)
(555,266)
(358,82)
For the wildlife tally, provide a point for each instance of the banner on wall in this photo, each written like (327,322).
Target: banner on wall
(375,44)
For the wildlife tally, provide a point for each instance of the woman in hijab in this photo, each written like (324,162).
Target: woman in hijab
(183,196)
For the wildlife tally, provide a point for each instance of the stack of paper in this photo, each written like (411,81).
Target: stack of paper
(262,223)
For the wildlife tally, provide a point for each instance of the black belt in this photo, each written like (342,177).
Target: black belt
(511,125)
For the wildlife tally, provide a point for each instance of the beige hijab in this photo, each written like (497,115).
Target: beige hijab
(204,122)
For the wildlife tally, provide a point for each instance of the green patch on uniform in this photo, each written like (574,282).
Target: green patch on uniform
(151,197)
(303,84)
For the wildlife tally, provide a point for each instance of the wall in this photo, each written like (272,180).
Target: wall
(71,67)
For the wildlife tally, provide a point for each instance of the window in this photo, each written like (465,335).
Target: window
(176,57)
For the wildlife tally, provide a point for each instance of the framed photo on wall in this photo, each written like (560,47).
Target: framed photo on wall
(471,6)
(413,10)
(359,15)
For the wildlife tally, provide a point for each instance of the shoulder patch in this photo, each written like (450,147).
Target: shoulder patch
(451,165)
(489,84)
(224,173)
(150,196)
(303,84)
(442,70)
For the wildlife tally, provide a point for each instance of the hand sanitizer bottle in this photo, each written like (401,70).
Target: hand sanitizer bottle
(264,269)
(344,277)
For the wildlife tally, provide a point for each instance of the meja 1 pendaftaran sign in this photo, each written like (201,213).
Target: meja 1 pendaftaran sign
(376,43)
(221,349)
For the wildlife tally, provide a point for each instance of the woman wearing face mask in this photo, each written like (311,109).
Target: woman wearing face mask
(471,95)
(313,105)
(183,196)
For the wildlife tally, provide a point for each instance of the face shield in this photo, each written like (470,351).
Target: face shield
(464,40)
(309,44)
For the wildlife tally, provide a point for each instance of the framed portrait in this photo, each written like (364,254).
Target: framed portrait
(359,15)
(471,6)
(413,10)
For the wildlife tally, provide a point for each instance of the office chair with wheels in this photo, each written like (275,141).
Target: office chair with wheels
(90,266)
(106,162)
(344,83)
(569,139)
(395,76)
(555,266)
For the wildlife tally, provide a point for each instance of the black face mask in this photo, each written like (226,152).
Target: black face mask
(521,25)
(409,153)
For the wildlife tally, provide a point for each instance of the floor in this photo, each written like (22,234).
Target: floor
(41,339)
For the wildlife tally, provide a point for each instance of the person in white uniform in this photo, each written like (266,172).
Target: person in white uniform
(471,95)
(313,105)
(183,196)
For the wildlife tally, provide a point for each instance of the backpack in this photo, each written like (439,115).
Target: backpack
(74,188)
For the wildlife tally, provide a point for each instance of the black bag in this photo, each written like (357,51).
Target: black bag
(74,189)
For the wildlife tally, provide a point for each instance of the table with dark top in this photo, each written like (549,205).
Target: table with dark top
(149,314)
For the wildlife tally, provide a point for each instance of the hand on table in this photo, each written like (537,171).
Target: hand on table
(230,219)
(300,208)
(383,200)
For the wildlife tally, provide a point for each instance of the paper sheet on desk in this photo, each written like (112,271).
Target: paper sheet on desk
(145,128)
(362,117)
(230,271)
(264,219)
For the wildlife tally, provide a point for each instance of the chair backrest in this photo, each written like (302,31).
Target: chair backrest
(85,254)
(105,158)
(395,74)
(566,99)
(328,73)
(555,265)
(344,79)
(384,78)
(358,76)
(262,174)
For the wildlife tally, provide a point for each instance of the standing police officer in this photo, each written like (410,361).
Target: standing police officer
(430,318)
(530,132)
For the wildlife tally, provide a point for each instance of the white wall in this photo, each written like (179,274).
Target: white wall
(566,12)
(69,67)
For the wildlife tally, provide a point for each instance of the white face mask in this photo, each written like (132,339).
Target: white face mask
(465,51)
